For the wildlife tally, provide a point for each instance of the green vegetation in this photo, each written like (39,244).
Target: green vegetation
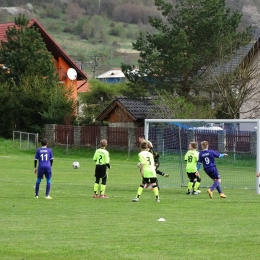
(30,93)
(75,226)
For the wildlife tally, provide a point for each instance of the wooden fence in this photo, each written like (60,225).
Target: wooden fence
(127,138)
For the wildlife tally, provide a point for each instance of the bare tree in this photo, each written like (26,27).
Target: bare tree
(236,86)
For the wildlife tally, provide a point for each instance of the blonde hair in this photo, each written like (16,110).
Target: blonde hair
(144,145)
(103,143)
(193,145)
(204,144)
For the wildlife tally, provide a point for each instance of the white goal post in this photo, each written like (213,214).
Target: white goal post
(25,140)
(199,127)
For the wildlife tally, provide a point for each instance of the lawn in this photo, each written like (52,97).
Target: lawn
(75,226)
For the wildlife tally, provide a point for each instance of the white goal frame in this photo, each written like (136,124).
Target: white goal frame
(257,121)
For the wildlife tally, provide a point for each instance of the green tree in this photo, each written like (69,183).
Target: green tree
(187,38)
(24,51)
(101,94)
(30,93)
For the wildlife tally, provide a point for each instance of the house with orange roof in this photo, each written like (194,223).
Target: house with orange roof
(69,73)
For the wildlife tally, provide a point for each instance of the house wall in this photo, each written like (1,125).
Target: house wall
(247,110)
(119,115)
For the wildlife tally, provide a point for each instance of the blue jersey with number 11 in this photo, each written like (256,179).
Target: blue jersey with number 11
(44,157)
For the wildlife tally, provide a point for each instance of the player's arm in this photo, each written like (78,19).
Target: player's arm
(51,161)
(142,169)
(35,165)
(223,155)
(198,166)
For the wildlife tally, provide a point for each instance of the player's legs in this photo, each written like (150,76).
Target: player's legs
(96,185)
(38,182)
(191,184)
(215,176)
(48,185)
(157,164)
(155,189)
(140,189)
(37,187)
(103,187)
(196,185)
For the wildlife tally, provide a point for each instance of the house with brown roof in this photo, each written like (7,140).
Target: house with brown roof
(127,112)
(61,59)
(251,106)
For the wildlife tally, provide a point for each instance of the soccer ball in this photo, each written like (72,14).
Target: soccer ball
(75,165)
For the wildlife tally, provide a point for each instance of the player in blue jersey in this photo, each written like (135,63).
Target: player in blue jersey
(45,158)
(101,157)
(207,158)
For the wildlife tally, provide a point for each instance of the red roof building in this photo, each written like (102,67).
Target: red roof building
(62,60)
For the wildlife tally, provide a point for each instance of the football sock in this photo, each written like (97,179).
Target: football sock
(95,188)
(190,184)
(215,185)
(196,186)
(37,187)
(48,187)
(156,191)
(102,189)
(139,191)
(219,189)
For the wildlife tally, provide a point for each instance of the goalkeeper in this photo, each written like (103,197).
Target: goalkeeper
(156,157)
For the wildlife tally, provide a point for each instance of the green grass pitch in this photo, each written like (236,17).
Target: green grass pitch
(75,226)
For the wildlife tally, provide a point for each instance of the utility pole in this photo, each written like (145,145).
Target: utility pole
(95,59)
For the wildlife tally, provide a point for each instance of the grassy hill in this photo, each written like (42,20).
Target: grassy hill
(103,31)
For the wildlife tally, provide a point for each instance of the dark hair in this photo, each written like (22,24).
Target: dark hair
(44,142)
(141,136)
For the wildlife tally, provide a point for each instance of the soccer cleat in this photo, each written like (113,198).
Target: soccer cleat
(103,196)
(199,191)
(135,200)
(157,200)
(195,193)
(222,195)
(188,192)
(48,197)
(95,196)
(36,197)
(210,193)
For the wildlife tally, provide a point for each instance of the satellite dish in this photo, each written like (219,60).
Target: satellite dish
(72,74)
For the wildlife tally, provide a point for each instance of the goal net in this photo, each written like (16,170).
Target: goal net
(238,138)
(24,140)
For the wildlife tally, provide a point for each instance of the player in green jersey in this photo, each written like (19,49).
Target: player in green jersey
(191,158)
(101,157)
(147,170)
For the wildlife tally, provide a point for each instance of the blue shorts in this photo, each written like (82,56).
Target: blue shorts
(41,174)
(212,172)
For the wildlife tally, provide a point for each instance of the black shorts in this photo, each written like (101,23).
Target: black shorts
(149,180)
(192,175)
(101,171)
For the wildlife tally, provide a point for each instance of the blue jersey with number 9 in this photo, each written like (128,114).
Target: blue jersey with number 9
(207,157)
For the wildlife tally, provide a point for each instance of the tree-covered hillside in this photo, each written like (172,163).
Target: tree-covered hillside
(99,33)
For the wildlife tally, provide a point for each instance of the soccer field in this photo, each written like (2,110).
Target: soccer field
(75,226)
